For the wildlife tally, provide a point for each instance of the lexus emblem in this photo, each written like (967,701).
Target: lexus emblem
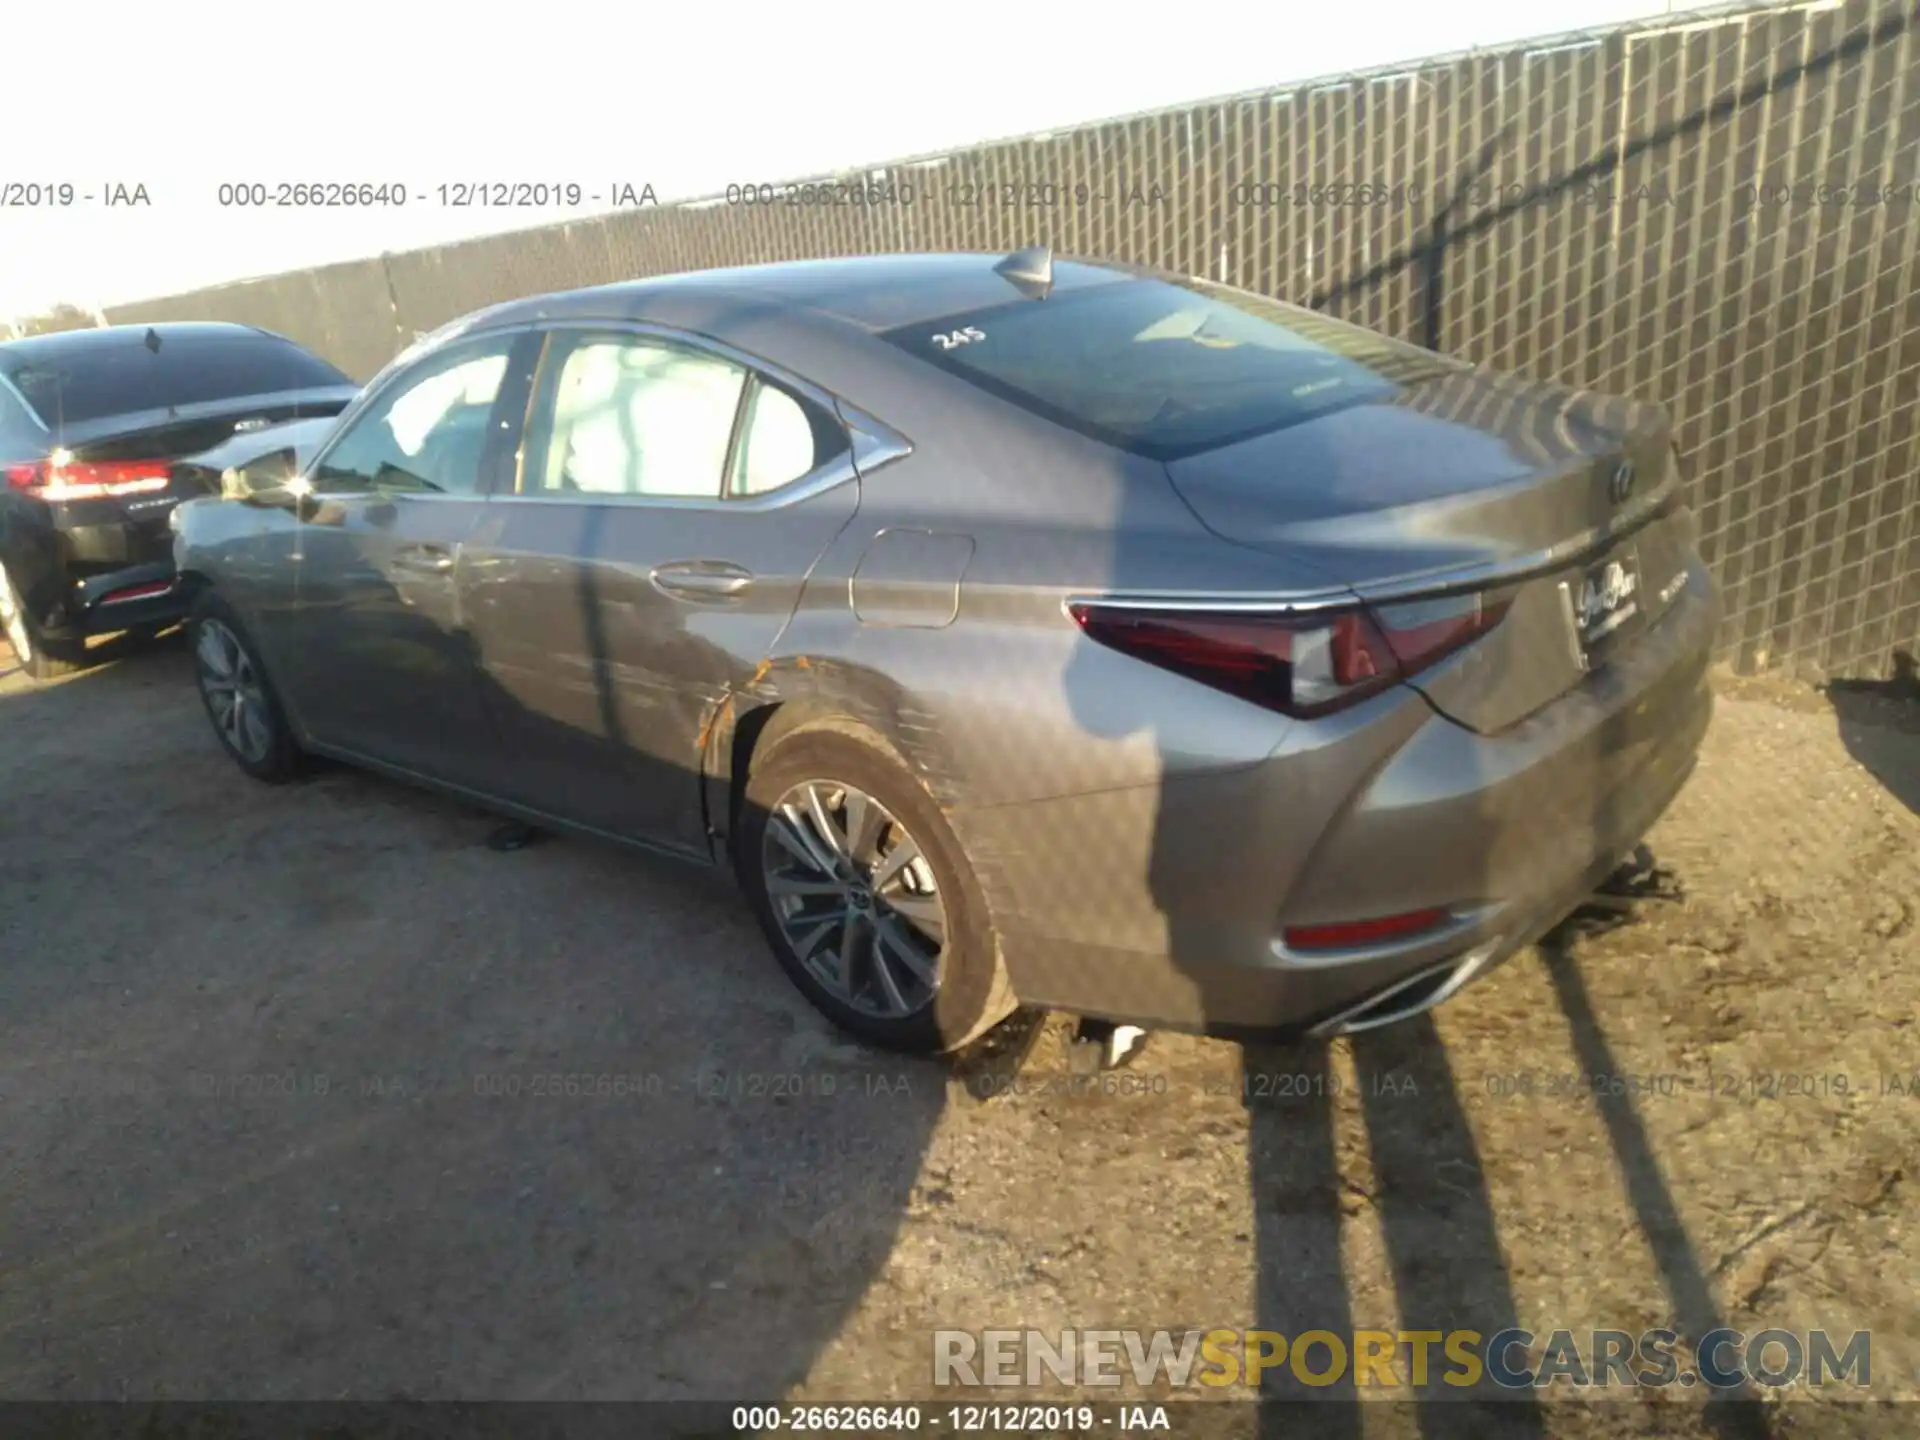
(1621,485)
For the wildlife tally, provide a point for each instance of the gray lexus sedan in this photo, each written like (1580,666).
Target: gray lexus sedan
(1022,631)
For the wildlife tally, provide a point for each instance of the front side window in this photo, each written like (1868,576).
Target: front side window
(428,433)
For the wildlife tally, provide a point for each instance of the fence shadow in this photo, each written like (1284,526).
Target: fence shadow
(1429,254)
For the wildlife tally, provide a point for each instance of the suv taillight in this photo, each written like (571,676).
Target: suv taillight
(1303,665)
(63,479)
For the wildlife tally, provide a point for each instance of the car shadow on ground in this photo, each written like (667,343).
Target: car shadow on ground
(107,650)
(1878,719)
(392,1114)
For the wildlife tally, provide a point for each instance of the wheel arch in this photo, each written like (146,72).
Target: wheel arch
(815,698)
(809,693)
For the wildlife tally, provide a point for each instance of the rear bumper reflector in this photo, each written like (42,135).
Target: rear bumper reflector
(135,592)
(1353,934)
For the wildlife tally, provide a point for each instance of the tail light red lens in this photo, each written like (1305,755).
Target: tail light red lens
(88,480)
(1423,632)
(1353,934)
(1303,665)
(1298,665)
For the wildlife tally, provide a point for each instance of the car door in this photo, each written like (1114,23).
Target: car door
(376,656)
(670,501)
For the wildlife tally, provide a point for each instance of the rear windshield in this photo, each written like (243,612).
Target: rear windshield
(1167,369)
(91,381)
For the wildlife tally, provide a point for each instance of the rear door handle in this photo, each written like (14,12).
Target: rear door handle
(701,580)
(424,560)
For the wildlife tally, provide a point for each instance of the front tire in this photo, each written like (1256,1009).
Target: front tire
(40,660)
(866,896)
(240,699)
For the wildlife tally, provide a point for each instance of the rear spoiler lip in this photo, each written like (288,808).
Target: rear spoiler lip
(112,427)
(1418,585)
(1492,574)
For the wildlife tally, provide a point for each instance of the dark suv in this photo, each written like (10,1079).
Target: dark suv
(93,424)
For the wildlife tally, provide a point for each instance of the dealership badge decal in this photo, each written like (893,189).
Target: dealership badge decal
(1620,486)
(1606,599)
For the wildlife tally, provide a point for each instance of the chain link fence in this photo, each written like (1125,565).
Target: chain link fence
(1719,213)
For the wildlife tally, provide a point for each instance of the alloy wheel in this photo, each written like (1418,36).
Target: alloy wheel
(235,696)
(855,898)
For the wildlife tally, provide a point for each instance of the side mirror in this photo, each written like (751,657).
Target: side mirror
(269,472)
(295,494)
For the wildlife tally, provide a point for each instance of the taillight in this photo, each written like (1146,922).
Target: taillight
(1423,632)
(64,479)
(1303,665)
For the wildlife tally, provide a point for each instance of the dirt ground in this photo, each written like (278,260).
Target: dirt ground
(268,1059)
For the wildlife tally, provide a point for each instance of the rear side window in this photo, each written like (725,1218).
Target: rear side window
(644,417)
(781,439)
(1165,369)
(641,418)
(95,380)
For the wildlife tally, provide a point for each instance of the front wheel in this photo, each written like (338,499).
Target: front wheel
(240,701)
(866,897)
(31,650)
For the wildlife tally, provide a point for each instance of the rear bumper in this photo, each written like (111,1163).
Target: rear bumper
(74,576)
(122,599)
(1164,905)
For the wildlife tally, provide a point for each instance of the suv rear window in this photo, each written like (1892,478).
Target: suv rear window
(1168,369)
(93,380)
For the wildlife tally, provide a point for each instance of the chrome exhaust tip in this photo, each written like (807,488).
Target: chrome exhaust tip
(1406,998)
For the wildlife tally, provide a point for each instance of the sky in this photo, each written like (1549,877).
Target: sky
(688,98)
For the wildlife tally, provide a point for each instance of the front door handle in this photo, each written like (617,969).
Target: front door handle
(702,580)
(424,560)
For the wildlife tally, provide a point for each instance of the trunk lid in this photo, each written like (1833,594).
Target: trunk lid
(189,429)
(1464,480)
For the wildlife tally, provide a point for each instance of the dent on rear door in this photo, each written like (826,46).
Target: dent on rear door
(603,681)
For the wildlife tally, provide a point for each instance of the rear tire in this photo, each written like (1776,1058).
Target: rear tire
(40,659)
(855,924)
(240,698)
